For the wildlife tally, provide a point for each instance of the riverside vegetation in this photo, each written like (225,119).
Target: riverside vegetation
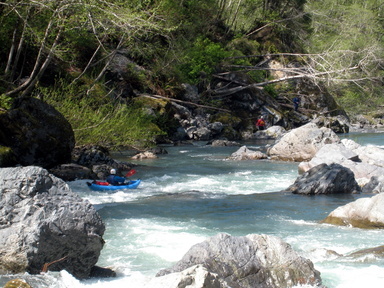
(69,54)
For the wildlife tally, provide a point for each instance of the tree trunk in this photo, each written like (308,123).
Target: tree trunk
(11,52)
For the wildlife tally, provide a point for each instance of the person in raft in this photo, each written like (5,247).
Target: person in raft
(115,180)
(260,124)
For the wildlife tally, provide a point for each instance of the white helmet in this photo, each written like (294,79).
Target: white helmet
(113,171)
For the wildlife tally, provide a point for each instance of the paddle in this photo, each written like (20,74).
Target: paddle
(130,172)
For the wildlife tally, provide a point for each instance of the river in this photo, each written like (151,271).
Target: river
(194,192)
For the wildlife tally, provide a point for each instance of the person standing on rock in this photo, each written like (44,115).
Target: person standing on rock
(260,124)
(296,102)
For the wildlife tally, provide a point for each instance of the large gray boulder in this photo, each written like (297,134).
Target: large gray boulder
(364,161)
(328,154)
(302,143)
(362,213)
(43,221)
(325,179)
(250,261)
(35,133)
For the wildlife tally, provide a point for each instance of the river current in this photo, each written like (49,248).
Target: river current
(194,192)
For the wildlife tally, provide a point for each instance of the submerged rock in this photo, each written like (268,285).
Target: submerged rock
(250,261)
(145,155)
(45,226)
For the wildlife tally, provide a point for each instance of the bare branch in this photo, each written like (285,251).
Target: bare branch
(184,102)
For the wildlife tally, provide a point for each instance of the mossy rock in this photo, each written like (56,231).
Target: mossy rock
(17,283)
(357,223)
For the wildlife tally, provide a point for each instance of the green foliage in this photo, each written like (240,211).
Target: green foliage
(344,24)
(356,101)
(203,57)
(193,18)
(123,126)
(350,33)
(97,119)
(172,41)
(270,89)
(5,101)
(283,23)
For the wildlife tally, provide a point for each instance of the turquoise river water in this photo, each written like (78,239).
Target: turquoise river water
(194,192)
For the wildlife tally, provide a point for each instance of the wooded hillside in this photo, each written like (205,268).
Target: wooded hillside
(68,53)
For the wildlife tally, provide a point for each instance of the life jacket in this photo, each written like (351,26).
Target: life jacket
(101,183)
(111,179)
(260,122)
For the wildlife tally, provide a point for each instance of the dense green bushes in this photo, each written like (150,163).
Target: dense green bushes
(97,118)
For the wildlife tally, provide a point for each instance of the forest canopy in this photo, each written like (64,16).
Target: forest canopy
(61,50)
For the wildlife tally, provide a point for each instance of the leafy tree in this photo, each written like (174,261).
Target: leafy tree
(46,29)
(349,34)
(202,58)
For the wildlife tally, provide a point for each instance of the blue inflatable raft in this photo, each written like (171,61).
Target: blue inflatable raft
(133,184)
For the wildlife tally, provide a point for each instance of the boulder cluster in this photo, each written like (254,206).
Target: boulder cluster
(329,165)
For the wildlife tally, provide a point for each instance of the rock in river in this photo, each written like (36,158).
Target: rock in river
(362,213)
(325,179)
(302,143)
(250,261)
(43,222)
